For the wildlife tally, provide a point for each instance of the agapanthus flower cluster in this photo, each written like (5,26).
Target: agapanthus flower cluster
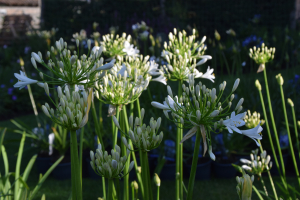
(115,46)
(110,166)
(143,137)
(67,68)
(72,110)
(262,55)
(144,68)
(117,88)
(140,26)
(258,164)
(253,120)
(244,186)
(80,36)
(182,55)
(201,107)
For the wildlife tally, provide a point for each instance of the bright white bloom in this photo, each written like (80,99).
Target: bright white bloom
(234,122)
(153,69)
(51,138)
(254,133)
(211,154)
(208,75)
(245,161)
(161,79)
(23,80)
(130,50)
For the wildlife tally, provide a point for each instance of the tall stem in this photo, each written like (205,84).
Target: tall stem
(103,187)
(96,122)
(80,153)
(115,129)
(179,153)
(110,189)
(143,158)
(194,166)
(273,124)
(289,134)
(263,184)
(296,130)
(76,180)
(138,107)
(157,196)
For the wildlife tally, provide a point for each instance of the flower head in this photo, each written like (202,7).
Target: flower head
(262,55)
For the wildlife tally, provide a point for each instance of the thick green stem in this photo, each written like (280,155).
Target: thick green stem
(143,158)
(270,138)
(118,190)
(149,180)
(289,134)
(110,189)
(194,166)
(138,107)
(103,187)
(124,126)
(132,193)
(296,130)
(80,153)
(76,180)
(115,129)
(157,196)
(274,125)
(257,192)
(179,153)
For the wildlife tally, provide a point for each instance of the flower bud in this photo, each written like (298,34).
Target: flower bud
(157,180)
(45,110)
(116,122)
(290,102)
(258,85)
(36,57)
(279,79)
(236,83)
(239,103)
(135,185)
(33,62)
(170,91)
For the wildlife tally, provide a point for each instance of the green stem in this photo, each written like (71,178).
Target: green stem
(194,166)
(257,192)
(118,188)
(273,124)
(149,180)
(143,158)
(96,122)
(157,196)
(263,184)
(124,148)
(80,153)
(289,134)
(103,187)
(132,193)
(76,181)
(296,130)
(226,63)
(138,107)
(110,189)
(179,153)
(115,136)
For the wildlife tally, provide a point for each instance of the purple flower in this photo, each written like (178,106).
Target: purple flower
(2,85)
(4,46)
(14,97)
(10,90)
(11,80)
(33,74)
(18,61)
(26,50)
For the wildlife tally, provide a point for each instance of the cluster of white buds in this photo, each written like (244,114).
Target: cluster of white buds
(114,45)
(47,34)
(182,55)
(117,89)
(253,120)
(67,68)
(80,36)
(144,137)
(202,107)
(244,186)
(258,164)
(72,110)
(262,55)
(180,43)
(140,26)
(110,166)
(143,67)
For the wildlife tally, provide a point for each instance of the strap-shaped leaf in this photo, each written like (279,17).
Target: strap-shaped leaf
(5,160)
(28,168)
(18,165)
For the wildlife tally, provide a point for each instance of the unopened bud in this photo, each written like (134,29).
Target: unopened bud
(279,79)
(157,180)
(258,85)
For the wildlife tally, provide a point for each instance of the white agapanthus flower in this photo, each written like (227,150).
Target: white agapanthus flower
(130,50)
(23,80)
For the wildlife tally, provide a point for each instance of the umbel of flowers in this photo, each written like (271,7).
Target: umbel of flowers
(110,166)
(262,56)
(201,106)
(66,68)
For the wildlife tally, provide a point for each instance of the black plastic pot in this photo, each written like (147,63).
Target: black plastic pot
(62,171)
(224,170)
(42,164)
(203,170)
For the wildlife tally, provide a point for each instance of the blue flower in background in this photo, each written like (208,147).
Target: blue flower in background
(14,97)
(252,40)
(12,80)
(3,85)
(27,49)
(10,90)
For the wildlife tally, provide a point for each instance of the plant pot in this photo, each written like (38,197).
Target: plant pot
(42,164)
(224,170)
(274,170)
(91,173)
(62,171)
(203,169)
(168,171)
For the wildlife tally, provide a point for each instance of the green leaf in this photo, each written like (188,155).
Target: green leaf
(29,167)
(238,168)
(42,180)
(18,165)
(2,134)
(43,197)
(5,160)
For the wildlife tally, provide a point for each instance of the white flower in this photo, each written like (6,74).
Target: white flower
(245,167)
(204,59)
(234,122)
(144,35)
(211,154)
(130,50)
(208,74)
(161,79)
(153,69)
(51,138)
(167,106)
(36,57)
(23,80)
(159,105)
(245,161)
(254,133)
(135,26)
